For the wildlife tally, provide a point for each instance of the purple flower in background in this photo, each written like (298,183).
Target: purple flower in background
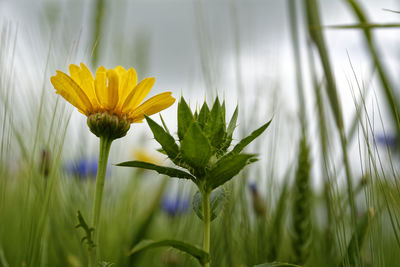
(253,188)
(386,140)
(259,205)
(175,205)
(82,168)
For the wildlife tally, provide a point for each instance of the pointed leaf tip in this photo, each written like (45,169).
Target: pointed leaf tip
(185,118)
(247,140)
(171,172)
(166,141)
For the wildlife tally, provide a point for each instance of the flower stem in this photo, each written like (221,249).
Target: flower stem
(207,223)
(105,144)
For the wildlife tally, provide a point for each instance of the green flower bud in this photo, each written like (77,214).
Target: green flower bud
(106,125)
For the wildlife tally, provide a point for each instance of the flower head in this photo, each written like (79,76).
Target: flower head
(82,168)
(112,99)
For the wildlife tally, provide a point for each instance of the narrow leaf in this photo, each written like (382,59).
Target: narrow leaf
(357,240)
(247,140)
(163,123)
(195,147)
(202,256)
(166,141)
(185,118)
(226,168)
(232,122)
(171,172)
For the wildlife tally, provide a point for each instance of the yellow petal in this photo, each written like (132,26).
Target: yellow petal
(112,90)
(87,84)
(127,84)
(74,73)
(120,70)
(100,85)
(151,106)
(137,95)
(70,90)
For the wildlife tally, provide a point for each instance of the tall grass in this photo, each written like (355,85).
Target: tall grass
(352,224)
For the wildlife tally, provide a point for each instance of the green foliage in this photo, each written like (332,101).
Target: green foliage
(277,224)
(171,172)
(302,206)
(196,148)
(217,202)
(247,140)
(226,168)
(202,256)
(185,118)
(204,141)
(277,264)
(358,238)
(88,238)
(166,141)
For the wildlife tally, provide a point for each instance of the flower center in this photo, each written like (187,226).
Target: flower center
(110,126)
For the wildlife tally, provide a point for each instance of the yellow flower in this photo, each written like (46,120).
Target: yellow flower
(142,154)
(112,94)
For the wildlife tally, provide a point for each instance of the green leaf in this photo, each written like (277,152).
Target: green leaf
(277,264)
(166,141)
(163,123)
(217,202)
(230,130)
(247,140)
(185,118)
(226,168)
(195,147)
(215,127)
(232,122)
(171,172)
(203,115)
(202,256)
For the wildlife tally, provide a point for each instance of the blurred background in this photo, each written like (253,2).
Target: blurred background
(239,50)
(257,54)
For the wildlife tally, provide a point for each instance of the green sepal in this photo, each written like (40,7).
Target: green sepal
(195,147)
(185,118)
(171,172)
(202,256)
(226,168)
(217,202)
(247,140)
(166,141)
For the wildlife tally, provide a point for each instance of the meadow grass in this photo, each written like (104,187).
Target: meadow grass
(350,223)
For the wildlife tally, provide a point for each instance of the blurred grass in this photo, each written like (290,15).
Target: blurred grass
(38,209)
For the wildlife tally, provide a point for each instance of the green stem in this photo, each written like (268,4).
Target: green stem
(207,223)
(105,144)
